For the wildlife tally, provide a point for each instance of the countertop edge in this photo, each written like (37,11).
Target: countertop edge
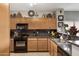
(74,44)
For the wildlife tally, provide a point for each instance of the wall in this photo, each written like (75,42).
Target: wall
(25,13)
(72,16)
(75,50)
(4,29)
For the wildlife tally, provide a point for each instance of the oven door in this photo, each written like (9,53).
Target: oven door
(20,46)
(20,43)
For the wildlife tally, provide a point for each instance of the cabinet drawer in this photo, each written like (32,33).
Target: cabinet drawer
(42,38)
(32,38)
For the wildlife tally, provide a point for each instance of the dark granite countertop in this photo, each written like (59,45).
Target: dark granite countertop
(65,47)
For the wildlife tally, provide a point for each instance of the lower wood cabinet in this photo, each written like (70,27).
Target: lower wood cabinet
(49,45)
(32,44)
(42,44)
(37,44)
(53,49)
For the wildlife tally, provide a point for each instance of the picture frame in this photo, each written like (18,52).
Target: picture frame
(60,17)
(60,24)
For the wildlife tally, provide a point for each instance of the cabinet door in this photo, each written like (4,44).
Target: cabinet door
(55,49)
(12,23)
(32,44)
(51,49)
(39,46)
(52,23)
(42,44)
(49,45)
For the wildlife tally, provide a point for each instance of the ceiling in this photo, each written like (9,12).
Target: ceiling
(44,6)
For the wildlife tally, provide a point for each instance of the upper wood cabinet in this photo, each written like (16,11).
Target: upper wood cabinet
(13,23)
(34,23)
(43,23)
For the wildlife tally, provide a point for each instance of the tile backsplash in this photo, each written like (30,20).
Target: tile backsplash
(44,32)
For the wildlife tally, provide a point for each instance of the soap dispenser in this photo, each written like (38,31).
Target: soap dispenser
(61,38)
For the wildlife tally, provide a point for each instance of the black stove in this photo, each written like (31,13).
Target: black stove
(20,39)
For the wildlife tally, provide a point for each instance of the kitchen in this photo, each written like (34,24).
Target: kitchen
(41,30)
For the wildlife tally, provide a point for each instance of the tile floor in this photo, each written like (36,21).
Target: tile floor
(30,54)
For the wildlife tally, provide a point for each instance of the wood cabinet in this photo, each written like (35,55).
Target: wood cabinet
(34,23)
(49,45)
(42,44)
(37,44)
(13,23)
(53,49)
(32,44)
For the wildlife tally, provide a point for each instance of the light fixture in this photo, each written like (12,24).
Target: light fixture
(32,4)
